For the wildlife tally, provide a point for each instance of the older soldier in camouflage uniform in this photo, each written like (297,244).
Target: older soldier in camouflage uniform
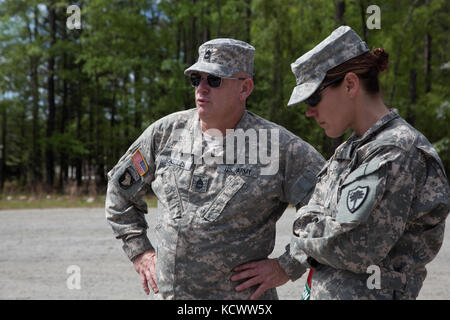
(219,207)
(378,211)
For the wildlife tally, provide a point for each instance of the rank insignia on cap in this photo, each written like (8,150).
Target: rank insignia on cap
(199,183)
(207,54)
(139,163)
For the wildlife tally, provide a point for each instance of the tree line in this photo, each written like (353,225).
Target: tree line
(73,100)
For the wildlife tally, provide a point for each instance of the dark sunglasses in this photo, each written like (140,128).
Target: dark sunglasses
(315,98)
(213,81)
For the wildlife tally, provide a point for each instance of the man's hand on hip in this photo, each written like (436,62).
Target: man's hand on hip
(267,273)
(145,267)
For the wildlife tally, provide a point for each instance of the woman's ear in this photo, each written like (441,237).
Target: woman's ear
(246,89)
(351,84)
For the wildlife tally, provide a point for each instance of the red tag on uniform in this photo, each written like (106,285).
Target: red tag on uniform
(139,162)
(307,291)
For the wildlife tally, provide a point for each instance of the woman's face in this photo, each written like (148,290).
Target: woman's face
(334,112)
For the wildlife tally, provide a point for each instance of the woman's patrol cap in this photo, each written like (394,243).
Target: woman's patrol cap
(311,68)
(224,58)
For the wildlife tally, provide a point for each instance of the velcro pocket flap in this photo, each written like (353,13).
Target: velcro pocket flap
(232,186)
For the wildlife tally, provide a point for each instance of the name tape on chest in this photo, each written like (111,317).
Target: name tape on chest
(183,164)
(237,170)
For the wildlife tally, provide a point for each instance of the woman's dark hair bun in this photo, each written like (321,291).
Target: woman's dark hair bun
(366,66)
(382,58)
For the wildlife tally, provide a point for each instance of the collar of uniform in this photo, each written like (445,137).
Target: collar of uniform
(183,140)
(195,125)
(195,131)
(345,153)
(242,124)
(242,121)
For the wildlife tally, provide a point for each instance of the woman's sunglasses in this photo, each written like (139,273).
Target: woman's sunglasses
(213,81)
(315,98)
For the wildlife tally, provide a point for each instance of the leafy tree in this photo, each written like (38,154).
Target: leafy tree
(72,101)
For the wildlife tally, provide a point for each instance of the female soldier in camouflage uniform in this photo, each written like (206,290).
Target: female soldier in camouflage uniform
(378,211)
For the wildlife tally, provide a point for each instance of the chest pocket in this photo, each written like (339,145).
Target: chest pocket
(166,182)
(359,192)
(174,203)
(232,185)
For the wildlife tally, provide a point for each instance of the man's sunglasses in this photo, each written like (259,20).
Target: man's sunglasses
(315,98)
(213,81)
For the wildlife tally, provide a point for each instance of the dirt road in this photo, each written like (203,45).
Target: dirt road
(72,254)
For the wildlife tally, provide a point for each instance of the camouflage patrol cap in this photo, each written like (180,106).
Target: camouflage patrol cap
(311,68)
(224,58)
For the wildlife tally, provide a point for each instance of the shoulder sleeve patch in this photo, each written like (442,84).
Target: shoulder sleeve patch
(139,162)
(359,192)
(129,173)
(128,178)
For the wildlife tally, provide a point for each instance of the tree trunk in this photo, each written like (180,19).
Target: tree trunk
(410,117)
(427,55)
(63,153)
(192,44)
(92,106)
(277,77)
(219,22)
(138,101)
(36,161)
(248,20)
(114,143)
(363,8)
(126,112)
(339,10)
(399,52)
(3,149)
(99,146)
(179,37)
(206,25)
(78,99)
(186,46)
(49,156)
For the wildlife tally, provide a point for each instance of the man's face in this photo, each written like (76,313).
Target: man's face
(216,104)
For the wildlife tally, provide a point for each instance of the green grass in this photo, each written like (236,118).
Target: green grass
(58,201)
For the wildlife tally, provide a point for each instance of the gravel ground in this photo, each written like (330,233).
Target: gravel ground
(42,249)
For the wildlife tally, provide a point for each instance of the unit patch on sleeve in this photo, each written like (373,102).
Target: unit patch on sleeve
(128,178)
(356,197)
(139,163)
(359,194)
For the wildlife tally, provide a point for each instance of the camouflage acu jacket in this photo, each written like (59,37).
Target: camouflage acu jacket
(380,204)
(214,215)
